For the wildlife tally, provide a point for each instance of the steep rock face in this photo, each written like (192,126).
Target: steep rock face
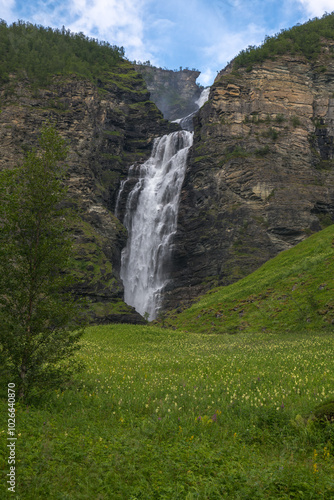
(260,175)
(108,128)
(174,92)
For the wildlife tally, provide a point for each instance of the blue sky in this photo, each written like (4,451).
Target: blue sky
(201,34)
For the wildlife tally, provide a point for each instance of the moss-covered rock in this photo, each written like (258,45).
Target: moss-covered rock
(108,126)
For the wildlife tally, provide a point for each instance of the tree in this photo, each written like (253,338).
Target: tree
(39,332)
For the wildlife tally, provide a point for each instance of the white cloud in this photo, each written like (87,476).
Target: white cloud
(118,21)
(316,8)
(163,24)
(206,77)
(226,46)
(7,11)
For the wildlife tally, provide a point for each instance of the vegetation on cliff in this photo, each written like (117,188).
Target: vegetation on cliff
(303,39)
(38,53)
(95,99)
(260,176)
(289,293)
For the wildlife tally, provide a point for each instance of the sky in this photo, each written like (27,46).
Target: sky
(195,34)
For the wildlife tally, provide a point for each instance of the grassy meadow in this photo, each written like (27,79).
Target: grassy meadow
(222,404)
(164,414)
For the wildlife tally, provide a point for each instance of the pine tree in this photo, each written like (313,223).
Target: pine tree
(38,331)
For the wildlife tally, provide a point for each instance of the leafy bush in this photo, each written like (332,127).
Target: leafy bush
(236,152)
(295,121)
(280,118)
(262,151)
(271,133)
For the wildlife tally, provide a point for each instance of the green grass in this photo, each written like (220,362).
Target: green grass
(292,292)
(162,414)
(172,414)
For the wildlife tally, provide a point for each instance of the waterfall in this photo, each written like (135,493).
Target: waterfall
(203,97)
(151,220)
(187,121)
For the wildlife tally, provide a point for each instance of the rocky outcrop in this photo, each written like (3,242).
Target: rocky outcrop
(260,175)
(174,92)
(108,127)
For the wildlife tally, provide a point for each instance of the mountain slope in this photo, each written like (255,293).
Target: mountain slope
(292,292)
(260,175)
(306,39)
(104,113)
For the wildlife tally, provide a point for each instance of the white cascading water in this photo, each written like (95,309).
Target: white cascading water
(203,97)
(151,219)
(187,121)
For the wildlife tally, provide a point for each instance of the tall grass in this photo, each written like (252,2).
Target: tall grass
(162,414)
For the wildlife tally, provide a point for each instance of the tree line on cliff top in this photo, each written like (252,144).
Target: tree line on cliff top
(38,53)
(303,39)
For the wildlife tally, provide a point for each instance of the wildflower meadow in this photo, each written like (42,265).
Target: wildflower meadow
(163,414)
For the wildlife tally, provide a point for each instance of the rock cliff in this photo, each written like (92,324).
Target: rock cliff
(260,176)
(108,127)
(174,92)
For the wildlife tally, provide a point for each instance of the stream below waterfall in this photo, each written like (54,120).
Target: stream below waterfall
(151,218)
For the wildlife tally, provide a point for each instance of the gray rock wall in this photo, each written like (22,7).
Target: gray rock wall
(174,92)
(260,175)
(108,127)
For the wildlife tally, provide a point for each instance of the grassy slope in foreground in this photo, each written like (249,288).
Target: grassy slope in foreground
(292,292)
(165,415)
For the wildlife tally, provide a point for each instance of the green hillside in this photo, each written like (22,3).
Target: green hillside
(303,39)
(27,50)
(292,292)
